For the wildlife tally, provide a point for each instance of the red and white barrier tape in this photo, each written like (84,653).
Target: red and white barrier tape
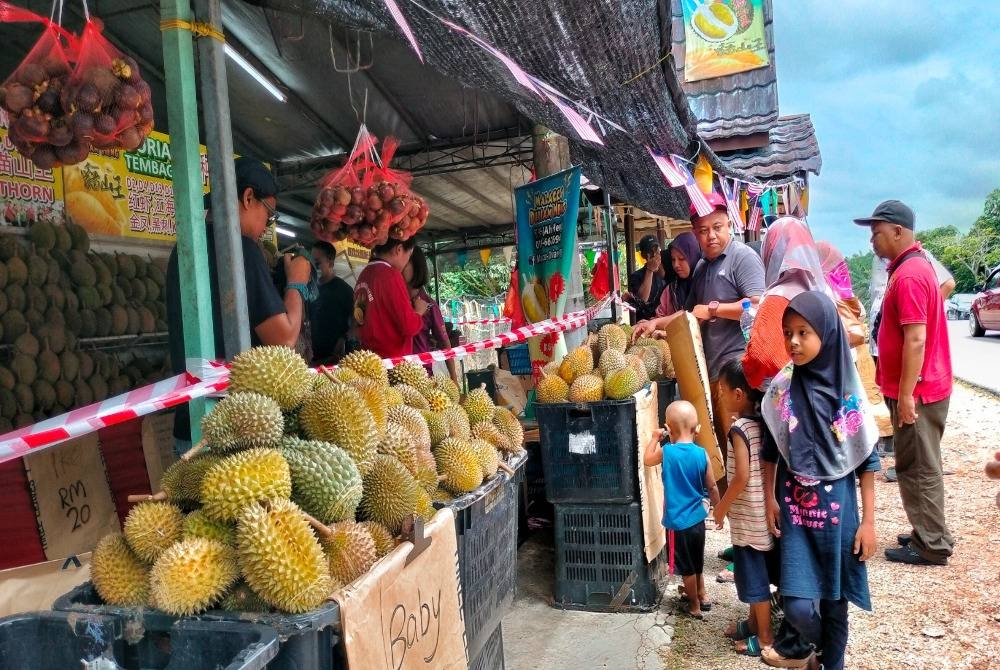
(478,322)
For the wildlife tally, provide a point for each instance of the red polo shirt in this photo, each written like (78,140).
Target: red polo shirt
(387,322)
(913,296)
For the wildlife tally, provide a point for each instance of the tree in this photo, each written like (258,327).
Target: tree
(860,265)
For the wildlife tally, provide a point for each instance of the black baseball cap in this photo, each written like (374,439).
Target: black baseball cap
(891,211)
(648,244)
(251,173)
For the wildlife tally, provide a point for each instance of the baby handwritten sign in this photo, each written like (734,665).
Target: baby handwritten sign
(408,616)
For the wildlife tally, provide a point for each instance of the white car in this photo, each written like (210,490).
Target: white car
(957,307)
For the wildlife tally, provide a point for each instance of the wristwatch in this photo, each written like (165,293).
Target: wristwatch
(713,310)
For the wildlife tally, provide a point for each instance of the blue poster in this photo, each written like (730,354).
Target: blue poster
(546,241)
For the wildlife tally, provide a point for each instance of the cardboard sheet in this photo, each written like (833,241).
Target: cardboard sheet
(654,535)
(684,338)
(408,617)
(158,446)
(31,588)
(72,498)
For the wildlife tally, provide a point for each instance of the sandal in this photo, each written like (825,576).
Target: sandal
(741,631)
(726,575)
(706,605)
(776,660)
(751,647)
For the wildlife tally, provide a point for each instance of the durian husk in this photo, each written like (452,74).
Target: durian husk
(384,541)
(151,527)
(274,371)
(587,388)
(478,406)
(412,420)
(244,478)
(191,575)
(119,575)
(367,364)
(411,374)
(551,388)
(459,465)
(390,493)
(336,413)
(350,550)
(511,427)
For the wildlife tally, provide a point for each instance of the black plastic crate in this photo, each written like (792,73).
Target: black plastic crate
(666,393)
(58,640)
(486,524)
(491,655)
(600,560)
(589,451)
(308,640)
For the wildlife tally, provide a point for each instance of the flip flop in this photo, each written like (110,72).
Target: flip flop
(752,647)
(776,660)
(741,632)
(706,606)
(726,576)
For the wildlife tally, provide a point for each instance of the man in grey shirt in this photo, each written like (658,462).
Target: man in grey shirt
(728,272)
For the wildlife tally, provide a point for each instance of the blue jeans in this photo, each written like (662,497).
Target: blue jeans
(823,623)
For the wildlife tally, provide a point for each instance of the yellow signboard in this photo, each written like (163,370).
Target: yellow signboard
(27,193)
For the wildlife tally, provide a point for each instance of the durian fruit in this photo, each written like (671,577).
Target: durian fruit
(666,360)
(243,420)
(487,431)
(436,426)
(448,385)
(641,370)
(426,471)
(281,559)
(384,541)
(277,372)
(293,428)
(611,360)
(412,397)
(367,364)
(241,598)
(438,400)
(621,384)
(374,399)
(551,388)
(350,550)
(627,329)
(576,363)
(458,464)
(151,527)
(458,422)
(241,479)
(326,482)
(425,506)
(511,428)
(413,422)
(336,413)
(182,480)
(551,368)
(397,442)
(120,577)
(650,356)
(612,336)
(441,495)
(488,456)
(341,374)
(390,493)
(479,405)
(411,374)
(587,388)
(191,575)
(393,398)
(199,524)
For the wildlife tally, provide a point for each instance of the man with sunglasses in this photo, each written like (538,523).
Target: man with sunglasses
(273,319)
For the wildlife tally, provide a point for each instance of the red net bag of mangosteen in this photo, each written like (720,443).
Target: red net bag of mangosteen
(365,200)
(108,100)
(31,95)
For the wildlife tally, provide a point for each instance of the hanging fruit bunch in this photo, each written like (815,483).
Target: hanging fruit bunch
(365,201)
(70,96)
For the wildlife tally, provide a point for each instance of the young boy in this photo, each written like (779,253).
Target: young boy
(687,479)
(743,503)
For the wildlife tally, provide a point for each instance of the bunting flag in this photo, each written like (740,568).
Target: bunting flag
(729,193)
(784,200)
(698,199)
(703,174)
(397,16)
(462,257)
(674,178)
(580,125)
(590,255)
(756,215)
(484,255)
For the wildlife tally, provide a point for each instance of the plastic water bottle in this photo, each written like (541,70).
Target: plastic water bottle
(746,318)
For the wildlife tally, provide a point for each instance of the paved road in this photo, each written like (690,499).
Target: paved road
(975,359)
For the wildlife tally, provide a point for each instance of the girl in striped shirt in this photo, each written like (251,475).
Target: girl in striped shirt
(743,503)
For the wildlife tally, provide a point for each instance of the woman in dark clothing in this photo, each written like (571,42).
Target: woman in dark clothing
(433,336)
(685,252)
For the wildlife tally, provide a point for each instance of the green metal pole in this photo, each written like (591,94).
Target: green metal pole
(192,251)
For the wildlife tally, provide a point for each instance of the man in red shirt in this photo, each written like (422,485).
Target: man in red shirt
(914,374)
(387,320)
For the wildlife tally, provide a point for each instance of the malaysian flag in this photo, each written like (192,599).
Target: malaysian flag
(698,199)
(729,192)
(669,170)
(756,215)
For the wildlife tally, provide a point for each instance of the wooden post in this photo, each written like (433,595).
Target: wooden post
(629,243)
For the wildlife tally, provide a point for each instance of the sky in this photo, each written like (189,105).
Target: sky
(905,98)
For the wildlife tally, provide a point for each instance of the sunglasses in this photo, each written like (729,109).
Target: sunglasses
(272,213)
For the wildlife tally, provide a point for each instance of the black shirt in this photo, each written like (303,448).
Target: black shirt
(263,302)
(330,316)
(645,309)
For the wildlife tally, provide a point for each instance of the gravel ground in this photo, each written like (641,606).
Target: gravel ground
(925,618)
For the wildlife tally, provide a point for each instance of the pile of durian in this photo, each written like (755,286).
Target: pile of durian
(302,483)
(621,368)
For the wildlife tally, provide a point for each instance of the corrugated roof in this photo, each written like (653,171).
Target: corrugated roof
(792,148)
(740,104)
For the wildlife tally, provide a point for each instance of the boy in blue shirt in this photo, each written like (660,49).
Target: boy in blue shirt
(687,481)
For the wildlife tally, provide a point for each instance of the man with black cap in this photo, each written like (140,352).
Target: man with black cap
(914,375)
(274,319)
(646,284)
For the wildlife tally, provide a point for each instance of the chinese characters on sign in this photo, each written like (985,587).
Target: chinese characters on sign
(27,193)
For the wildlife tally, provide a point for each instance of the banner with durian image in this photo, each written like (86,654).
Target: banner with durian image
(126,193)
(546,245)
(723,37)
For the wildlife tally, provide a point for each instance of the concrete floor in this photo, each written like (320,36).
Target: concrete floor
(537,636)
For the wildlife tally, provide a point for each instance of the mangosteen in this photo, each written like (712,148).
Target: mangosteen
(144,90)
(82,125)
(17,97)
(105,124)
(125,68)
(34,124)
(73,153)
(59,134)
(55,66)
(31,74)
(127,97)
(87,98)
(130,139)
(49,103)
(44,156)
(104,81)
(146,113)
